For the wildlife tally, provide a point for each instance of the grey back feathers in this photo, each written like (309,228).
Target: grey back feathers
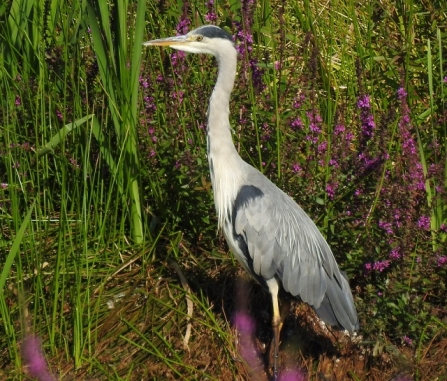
(276,238)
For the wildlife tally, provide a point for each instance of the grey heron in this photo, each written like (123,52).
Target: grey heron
(270,235)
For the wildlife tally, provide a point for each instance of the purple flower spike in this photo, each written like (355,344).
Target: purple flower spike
(407,340)
(442,261)
(35,360)
(401,93)
(366,118)
(297,124)
(245,324)
(331,190)
(424,222)
(364,102)
(381,265)
(395,253)
(210,15)
(296,168)
(292,375)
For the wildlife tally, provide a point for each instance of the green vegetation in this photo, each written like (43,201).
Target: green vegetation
(108,244)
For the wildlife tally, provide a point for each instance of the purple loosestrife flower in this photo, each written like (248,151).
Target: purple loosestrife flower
(144,83)
(377,266)
(184,22)
(244,45)
(395,253)
(178,95)
(178,58)
(35,360)
(424,222)
(149,100)
(210,15)
(340,147)
(149,103)
(266,132)
(314,128)
(296,168)
(442,260)
(331,189)
(246,327)
(315,121)
(381,265)
(397,218)
(18,101)
(256,75)
(401,93)
(299,100)
(312,139)
(243,40)
(366,118)
(367,132)
(334,163)
(292,375)
(339,129)
(322,147)
(407,340)
(387,226)
(297,124)
(363,102)
(413,175)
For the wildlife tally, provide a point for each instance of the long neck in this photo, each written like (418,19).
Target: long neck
(223,158)
(219,129)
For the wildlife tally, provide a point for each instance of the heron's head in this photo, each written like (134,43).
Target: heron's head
(208,39)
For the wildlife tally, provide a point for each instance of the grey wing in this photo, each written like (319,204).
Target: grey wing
(279,240)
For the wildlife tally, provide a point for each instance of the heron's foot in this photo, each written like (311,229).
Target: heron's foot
(274,350)
(278,322)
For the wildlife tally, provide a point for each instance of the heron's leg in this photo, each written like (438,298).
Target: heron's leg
(276,323)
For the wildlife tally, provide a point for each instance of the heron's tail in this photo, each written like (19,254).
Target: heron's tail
(337,308)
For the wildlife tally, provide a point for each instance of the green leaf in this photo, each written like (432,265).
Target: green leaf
(319,201)
(15,248)
(64,131)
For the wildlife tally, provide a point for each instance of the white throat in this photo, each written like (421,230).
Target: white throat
(225,163)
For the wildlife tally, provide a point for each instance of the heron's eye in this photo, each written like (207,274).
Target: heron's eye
(199,38)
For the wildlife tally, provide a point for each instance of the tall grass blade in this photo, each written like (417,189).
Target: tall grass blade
(119,67)
(64,131)
(15,248)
